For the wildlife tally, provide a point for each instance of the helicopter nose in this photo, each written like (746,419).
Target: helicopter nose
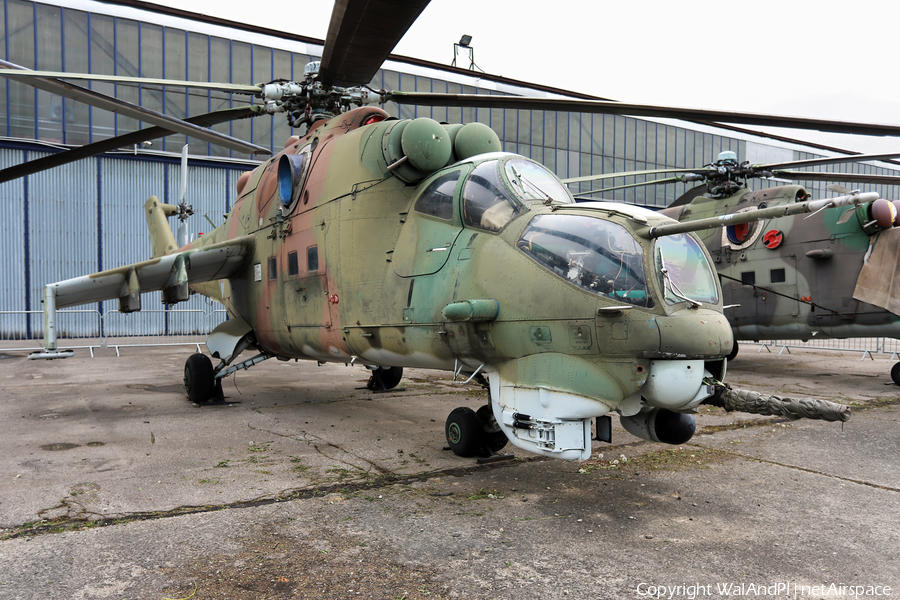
(693,333)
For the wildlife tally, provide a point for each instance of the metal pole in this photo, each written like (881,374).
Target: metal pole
(50,351)
(49,318)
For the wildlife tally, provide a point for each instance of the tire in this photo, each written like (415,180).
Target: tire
(390,377)
(464,431)
(199,378)
(734,352)
(895,373)
(494,438)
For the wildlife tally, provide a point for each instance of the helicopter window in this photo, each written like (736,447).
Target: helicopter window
(312,258)
(597,255)
(748,278)
(293,264)
(532,181)
(777,276)
(437,199)
(486,202)
(273,270)
(685,271)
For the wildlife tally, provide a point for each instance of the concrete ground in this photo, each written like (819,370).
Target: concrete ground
(303,486)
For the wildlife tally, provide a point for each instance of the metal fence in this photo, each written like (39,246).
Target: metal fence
(89,329)
(867,346)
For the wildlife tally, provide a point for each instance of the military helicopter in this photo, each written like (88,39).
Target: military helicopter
(409,243)
(793,279)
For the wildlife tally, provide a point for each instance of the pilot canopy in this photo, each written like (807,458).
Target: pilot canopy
(598,255)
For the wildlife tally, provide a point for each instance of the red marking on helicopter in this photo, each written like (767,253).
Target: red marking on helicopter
(773,238)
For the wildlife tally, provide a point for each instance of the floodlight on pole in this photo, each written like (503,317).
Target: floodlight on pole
(465,43)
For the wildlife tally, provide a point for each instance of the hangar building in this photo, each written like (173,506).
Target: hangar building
(86,216)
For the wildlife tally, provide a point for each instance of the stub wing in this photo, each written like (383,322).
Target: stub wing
(171,274)
(217,261)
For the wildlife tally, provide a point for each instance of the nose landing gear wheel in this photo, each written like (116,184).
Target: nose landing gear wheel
(199,381)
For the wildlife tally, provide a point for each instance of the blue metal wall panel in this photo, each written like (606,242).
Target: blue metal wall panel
(62,233)
(88,216)
(125,186)
(12,248)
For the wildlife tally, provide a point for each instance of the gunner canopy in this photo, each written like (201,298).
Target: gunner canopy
(496,191)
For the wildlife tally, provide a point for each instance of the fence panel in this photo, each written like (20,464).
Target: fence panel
(74,329)
(156,328)
(868,346)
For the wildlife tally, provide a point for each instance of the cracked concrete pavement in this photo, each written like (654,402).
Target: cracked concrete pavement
(303,486)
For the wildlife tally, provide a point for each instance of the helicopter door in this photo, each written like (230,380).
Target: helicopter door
(765,287)
(431,228)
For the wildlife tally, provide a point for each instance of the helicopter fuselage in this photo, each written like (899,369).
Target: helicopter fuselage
(793,278)
(357,265)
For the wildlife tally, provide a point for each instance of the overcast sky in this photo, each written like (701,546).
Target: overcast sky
(791,57)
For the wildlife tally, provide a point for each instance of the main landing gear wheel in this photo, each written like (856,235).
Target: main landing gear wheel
(494,438)
(895,373)
(385,379)
(199,378)
(464,431)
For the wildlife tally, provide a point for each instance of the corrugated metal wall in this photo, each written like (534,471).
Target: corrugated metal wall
(88,216)
(13,269)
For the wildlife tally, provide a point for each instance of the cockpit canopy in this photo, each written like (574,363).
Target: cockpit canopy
(597,255)
(493,193)
(685,271)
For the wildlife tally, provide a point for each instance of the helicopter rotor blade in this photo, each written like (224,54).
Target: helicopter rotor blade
(689,195)
(675,179)
(96,99)
(849,177)
(234,88)
(815,162)
(638,110)
(701,171)
(128,139)
(838,189)
(360,36)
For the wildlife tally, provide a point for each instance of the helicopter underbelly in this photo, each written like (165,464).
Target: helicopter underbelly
(546,403)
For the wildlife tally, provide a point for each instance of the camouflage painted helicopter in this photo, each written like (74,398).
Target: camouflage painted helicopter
(409,243)
(794,279)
